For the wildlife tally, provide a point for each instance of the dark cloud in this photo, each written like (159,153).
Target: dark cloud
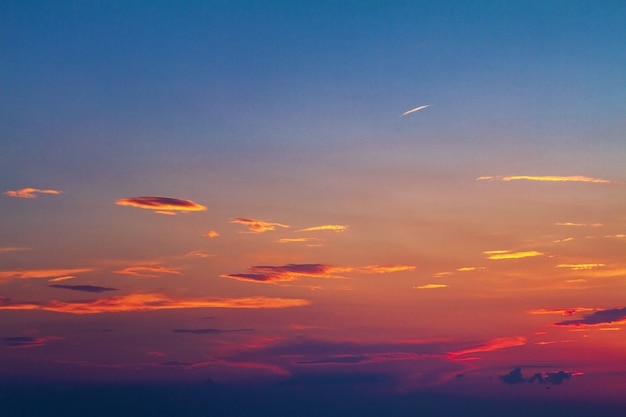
(339,359)
(161,204)
(513,377)
(210,331)
(516,377)
(23,341)
(84,288)
(289,272)
(599,317)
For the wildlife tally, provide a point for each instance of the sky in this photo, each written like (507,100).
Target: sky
(331,197)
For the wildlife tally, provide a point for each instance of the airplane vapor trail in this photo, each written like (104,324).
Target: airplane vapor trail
(415,110)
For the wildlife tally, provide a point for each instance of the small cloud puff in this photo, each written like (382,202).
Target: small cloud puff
(257,226)
(161,205)
(211,234)
(30,192)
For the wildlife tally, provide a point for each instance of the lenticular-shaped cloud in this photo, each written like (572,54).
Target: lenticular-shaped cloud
(84,288)
(140,302)
(505,254)
(162,205)
(430,286)
(30,192)
(256,225)
(546,178)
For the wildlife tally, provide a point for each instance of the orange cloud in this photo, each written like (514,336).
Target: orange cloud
(296,240)
(546,178)
(431,286)
(561,311)
(578,267)
(162,205)
(493,344)
(40,273)
(580,224)
(30,192)
(292,272)
(4,249)
(210,235)
(505,254)
(140,302)
(257,226)
(331,227)
(471,268)
(146,271)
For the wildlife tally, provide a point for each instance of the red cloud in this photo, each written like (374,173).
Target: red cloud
(257,226)
(163,205)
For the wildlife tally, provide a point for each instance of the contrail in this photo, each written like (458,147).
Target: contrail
(414,110)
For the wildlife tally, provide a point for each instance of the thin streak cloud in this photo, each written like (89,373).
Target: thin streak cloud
(331,227)
(431,286)
(141,302)
(30,192)
(546,178)
(146,271)
(503,254)
(40,273)
(415,109)
(257,226)
(5,249)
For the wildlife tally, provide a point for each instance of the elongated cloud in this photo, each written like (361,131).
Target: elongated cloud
(614,315)
(505,254)
(163,205)
(40,273)
(415,109)
(83,288)
(493,344)
(580,224)
(257,226)
(296,240)
(150,302)
(5,249)
(146,271)
(211,331)
(22,342)
(431,286)
(292,272)
(562,311)
(578,267)
(30,192)
(546,178)
(331,227)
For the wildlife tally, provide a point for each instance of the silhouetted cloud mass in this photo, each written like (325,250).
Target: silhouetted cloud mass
(84,288)
(599,317)
(516,377)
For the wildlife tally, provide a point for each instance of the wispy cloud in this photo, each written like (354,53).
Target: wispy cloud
(471,268)
(150,302)
(562,311)
(430,286)
(40,273)
(162,205)
(211,331)
(580,224)
(84,288)
(211,235)
(146,271)
(415,109)
(23,342)
(578,267)
(546,178)
(257,226)
(493,344)
(505,254)
(5,249)
(331,227)
(30,192)
(614,315)
(296,240)
(292,272)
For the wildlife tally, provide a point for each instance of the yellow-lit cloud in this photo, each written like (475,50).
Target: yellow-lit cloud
(503,254)
(146,271)
(561,311)
(296,240)
(471,268)
(431,286)
(577,267)
(30,192)
(140,302)
(580,224)
(257,226)
(384,269)
(546,178)
(211,235)
(331,227)
(162,205)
